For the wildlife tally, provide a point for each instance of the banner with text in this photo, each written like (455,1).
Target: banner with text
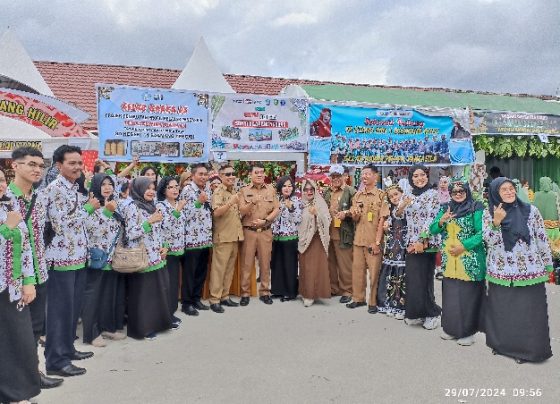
(158,125)
(244,122)
(360,135)
(515,123)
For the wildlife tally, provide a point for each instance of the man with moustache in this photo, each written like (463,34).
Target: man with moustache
(28,165)
(339,199)
(259,206)
(368,208)
(228,232)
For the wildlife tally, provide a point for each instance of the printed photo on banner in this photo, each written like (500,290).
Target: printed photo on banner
(253,122)
(157,125)
(355,135)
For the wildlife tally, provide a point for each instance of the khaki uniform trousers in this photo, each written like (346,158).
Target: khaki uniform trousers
(362,263)
(340,269)
(224,258)
(259,244)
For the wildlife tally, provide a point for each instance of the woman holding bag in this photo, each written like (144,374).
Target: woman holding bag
(148,299)
(102,230)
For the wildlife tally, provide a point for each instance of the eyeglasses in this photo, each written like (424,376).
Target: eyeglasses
(308,190)
(172,186)
(31,164)
(458,192)
(231,174)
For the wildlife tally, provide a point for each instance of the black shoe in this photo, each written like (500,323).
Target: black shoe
(176,319)
(217,308)
(244,301)
(78,356)
(67,371)
(266,299)
(190,310)
(228,303)
(286,298)
(49,382)
(439,276)
(201,306)
(353,305)
(520,361)
(372,309)
(345,299)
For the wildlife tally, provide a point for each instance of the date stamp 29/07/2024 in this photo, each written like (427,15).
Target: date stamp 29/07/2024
(470,392)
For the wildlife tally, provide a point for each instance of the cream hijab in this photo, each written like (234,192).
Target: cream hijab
(311,224)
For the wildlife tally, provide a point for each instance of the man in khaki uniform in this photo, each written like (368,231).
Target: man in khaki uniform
(259,206)
(368,206)
(339,199)
(227,234)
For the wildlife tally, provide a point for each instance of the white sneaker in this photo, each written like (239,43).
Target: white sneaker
(431,323)
(467,341)
(307,302)
(390,314)
(99,342)
(446,336)
(413,321)
(399,315)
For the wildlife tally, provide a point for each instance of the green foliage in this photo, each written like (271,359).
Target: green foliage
(517,146)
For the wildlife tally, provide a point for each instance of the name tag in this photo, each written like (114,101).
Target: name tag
(337,222)
(370,216)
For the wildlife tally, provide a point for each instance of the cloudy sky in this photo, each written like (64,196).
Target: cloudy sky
(491,45)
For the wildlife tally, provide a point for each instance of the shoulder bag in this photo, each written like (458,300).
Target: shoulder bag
(130,259)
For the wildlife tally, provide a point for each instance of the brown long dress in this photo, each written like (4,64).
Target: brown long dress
(314,281)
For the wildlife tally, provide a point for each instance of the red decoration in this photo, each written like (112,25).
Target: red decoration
(89,157)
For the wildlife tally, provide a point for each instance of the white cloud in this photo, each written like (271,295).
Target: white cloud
(295,19)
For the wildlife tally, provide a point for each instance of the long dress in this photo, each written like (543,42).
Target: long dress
(516,310)
(391,291)
(463,287)
(314,280)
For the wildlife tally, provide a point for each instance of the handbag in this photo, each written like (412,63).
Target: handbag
(98,258)
(128,260)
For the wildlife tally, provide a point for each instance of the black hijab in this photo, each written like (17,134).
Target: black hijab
(416,190)
(95,187)
(514,226)
(468,206)
(137,191)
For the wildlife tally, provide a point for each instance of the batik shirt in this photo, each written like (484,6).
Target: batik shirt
(173,228)
(14,244)
(285,226)
(525,264)
(138,230)
(198,230)
(420,215)
(102,229)
(67,214)
(35,254)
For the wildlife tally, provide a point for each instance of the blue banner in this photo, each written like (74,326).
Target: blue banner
(158,125)
(359,135)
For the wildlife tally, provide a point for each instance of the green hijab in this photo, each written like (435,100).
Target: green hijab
(545,200)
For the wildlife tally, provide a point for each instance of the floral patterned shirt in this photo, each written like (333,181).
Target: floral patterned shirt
(285,226)
(14,245)
(525,264)
(419,217)
(198,229)
(138,230)
(35,255)
(102,229)
(173,227)
(67,214)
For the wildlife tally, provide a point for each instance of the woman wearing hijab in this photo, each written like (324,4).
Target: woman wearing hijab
(148,294)
(420,209)
(284,262)
(102,230)
(173,229)
(313,246)
(19,377)
(518,263)
(546,201)
(464,263)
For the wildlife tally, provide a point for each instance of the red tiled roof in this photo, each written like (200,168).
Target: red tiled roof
(75,82)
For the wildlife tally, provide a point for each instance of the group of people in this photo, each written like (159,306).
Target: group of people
(313,243)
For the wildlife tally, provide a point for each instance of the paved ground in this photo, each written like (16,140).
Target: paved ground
(326,353)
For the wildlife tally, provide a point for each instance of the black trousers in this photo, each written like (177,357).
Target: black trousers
(38,310)
(112,305)
(173,268)
(195,267)
(66,289)
(91,305)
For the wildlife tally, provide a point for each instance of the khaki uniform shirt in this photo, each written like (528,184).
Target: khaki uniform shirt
(263,201)
(227,228)
(333,210)
(372,205)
